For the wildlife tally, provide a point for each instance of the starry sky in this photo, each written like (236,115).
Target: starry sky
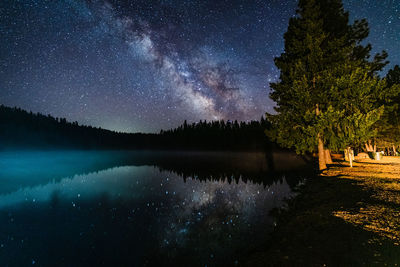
(148,65)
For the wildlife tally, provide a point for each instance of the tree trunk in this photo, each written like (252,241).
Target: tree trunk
(369,147)
(328,158)
(349,156)
(394,150)
(321,150)
(321,154)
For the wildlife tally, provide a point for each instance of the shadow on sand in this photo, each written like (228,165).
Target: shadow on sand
(310,234)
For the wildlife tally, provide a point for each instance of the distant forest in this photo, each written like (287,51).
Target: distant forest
(20,129)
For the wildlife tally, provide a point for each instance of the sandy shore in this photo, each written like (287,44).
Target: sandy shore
(345,217)
(382,180)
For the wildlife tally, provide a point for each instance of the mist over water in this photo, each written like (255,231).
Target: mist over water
(123,208)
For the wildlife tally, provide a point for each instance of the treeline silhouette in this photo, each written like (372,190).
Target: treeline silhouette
(20,129)
(219,135)
(25,130)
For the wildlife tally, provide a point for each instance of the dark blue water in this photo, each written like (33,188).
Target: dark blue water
(135,209)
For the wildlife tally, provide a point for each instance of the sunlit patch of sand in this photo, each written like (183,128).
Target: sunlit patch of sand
(382,180)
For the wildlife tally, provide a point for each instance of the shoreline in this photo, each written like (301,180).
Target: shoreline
(344,216)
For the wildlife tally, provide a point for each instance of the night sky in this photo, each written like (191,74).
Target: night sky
(148,65)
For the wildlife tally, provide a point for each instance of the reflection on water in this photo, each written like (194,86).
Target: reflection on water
(114,208)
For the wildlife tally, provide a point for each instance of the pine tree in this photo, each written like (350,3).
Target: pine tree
(357,105)
(393,76)
(323,69)
(388,128)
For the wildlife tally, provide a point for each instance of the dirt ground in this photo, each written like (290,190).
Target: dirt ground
(344,217)
(382,178)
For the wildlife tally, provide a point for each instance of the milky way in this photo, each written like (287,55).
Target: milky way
(149,65)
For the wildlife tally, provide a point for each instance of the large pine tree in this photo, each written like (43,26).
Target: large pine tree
(324,72)
(388,127)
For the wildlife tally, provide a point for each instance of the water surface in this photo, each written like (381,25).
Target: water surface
(76,208)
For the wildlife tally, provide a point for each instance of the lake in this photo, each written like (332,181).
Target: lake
(82,208)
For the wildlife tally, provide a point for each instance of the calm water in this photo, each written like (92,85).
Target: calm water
(139,208)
